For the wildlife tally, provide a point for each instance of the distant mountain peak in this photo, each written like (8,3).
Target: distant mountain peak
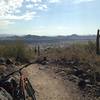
(74,35)
(5,35)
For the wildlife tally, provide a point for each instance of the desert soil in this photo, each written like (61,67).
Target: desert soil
(49,86)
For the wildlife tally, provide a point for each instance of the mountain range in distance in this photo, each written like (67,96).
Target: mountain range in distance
(47,39)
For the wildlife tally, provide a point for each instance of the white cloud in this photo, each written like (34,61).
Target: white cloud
(35,1)
(4,23)
(17,9)
(9,6)
(42,7)
(36,4)
(29,6)
(29,15)
(67,1)
(27,0)
(80,1)
(26,16)
(9,10)
(54,1)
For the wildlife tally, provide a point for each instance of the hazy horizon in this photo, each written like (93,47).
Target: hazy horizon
(49,17)
(7,35)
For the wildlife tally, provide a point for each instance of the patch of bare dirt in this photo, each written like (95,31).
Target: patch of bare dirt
(49,86)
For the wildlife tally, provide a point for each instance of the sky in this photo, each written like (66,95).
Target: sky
(49,17)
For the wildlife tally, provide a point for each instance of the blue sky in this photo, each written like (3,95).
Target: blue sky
(49,17)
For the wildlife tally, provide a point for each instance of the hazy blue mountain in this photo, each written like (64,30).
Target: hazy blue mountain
(47,39)
(6,35)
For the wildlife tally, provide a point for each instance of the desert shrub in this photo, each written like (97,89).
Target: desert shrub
(83,52)
(18,50)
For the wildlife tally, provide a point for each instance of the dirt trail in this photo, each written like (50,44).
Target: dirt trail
(48,86)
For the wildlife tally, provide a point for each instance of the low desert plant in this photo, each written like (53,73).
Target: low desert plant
(18,50)
(82,52)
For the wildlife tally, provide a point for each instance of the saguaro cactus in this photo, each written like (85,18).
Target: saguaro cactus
(38,50)
(97,42)
(35,50)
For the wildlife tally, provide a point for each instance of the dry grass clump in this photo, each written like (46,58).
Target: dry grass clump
(18,50)
(83,53)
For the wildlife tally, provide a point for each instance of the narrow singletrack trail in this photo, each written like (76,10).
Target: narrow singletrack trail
(48,86)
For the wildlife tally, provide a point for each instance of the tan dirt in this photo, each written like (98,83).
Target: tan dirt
(49,86)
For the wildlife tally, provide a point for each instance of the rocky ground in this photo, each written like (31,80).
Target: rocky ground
(50,86)
(83,80)
(53,81)
(82,75)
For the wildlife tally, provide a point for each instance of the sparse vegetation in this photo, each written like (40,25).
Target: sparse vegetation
(78,58)
(17,50)
(82,60)
(83,53)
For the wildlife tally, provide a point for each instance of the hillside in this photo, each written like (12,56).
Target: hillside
(47,39)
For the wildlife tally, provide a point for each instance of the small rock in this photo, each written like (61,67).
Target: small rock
(9,61)
(2,60)
(82,84)
(97,74)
